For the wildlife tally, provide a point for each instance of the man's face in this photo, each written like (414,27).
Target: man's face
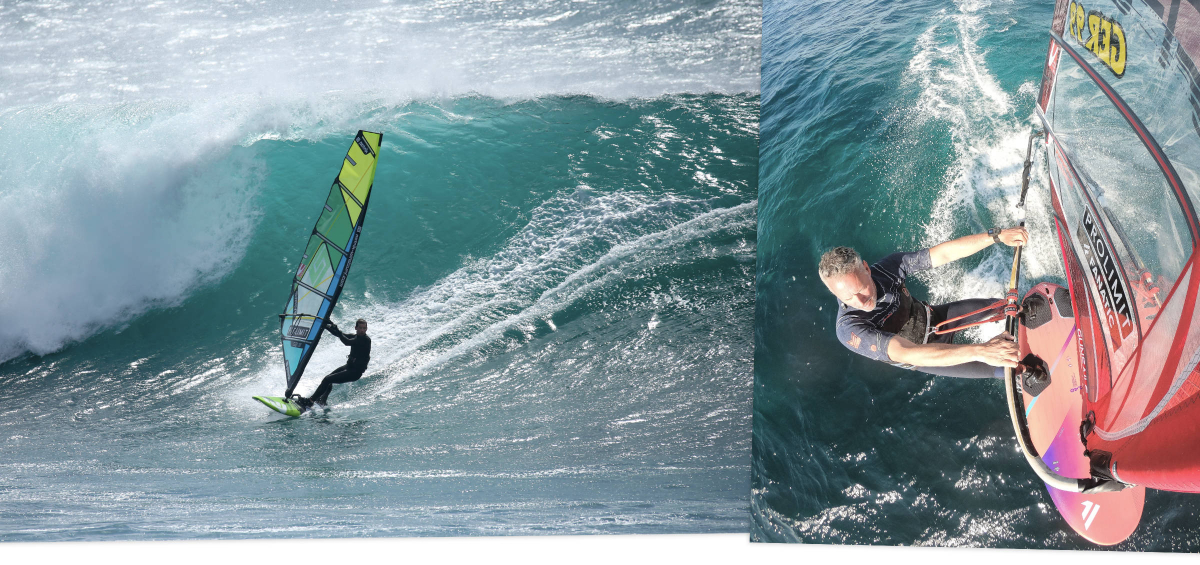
(855,289)
(360,327)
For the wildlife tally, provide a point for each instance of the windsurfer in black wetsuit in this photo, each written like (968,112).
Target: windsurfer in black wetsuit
(356,363)
(879,319)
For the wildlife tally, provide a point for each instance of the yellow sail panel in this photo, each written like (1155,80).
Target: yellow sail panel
(364,185)
(351,172)
(352,207)
(358,168)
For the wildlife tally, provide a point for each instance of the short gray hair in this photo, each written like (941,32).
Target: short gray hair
(839,261)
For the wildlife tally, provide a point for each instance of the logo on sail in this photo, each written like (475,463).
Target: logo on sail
(1104,36)
(1114,298)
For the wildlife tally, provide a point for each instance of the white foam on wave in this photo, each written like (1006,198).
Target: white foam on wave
(192,49)
(105,216)
(981,188)
(112,209)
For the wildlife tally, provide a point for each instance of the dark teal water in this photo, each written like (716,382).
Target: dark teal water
(895,126)
(559,292)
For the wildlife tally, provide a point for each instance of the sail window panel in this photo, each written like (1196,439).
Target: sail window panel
(1140,389)
(309,252)
(335,223)
(1069,191)
(301,301)
(292,355)
(1136,205)
(308,302)
(1118,330)
(293,301)
(319,273)
(298,327)
(1165,105)
(1157,79)
(1075,209)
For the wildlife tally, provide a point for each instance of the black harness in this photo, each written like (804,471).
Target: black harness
(911,320)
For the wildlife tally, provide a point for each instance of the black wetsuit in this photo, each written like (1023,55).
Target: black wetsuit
(868,333)
(356,364)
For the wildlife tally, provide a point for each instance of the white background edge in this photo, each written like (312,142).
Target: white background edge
(690,548)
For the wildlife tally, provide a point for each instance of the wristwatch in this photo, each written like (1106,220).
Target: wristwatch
(995,233)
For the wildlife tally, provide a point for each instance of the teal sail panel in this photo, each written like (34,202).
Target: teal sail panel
(328,254)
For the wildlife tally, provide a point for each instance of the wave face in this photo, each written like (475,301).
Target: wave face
(556,268)
(914,135)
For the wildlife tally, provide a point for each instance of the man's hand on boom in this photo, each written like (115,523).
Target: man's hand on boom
(1014,237)
(956,249)
(999,351)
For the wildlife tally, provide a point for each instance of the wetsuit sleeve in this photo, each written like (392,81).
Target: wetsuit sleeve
(864,339)
(335,331)
(904,264)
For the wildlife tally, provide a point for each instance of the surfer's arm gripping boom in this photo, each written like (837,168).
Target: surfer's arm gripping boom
(333,329)
(1000,351)
(956,249)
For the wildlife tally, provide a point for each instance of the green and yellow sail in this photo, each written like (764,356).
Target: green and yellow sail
(327,256)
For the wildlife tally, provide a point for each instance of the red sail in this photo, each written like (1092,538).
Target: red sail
(1121,104)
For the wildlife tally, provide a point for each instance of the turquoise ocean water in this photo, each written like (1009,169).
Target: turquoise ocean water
(557,267)
(887,127)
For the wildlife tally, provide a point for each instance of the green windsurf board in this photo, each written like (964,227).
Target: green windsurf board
(281,405)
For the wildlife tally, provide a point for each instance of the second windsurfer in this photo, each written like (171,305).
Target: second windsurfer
(879,319)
